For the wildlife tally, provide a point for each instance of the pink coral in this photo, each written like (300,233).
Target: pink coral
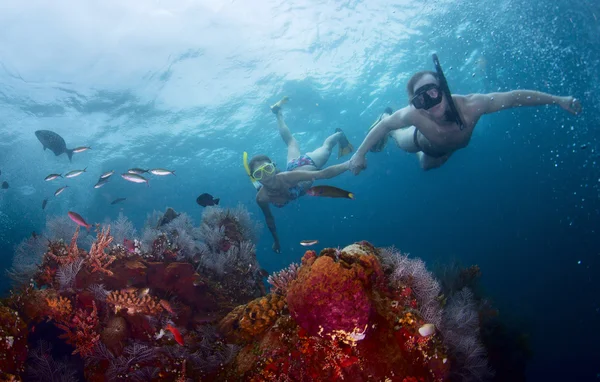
(281,280)
(329,298)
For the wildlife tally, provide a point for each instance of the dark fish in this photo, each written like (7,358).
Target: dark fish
(168,217)
(54,142)
(118,200)
(34,235)
(44,203)
(207,200)
(329,192)
(584,146)
(137,171)
(4,185)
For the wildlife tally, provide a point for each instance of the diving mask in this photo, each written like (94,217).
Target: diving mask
(267,168)
(427,96)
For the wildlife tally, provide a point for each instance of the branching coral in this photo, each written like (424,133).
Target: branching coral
(80,330)
(133,303)
(70,255)
(97,260)
(59,309)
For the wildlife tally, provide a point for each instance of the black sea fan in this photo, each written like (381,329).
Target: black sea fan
(42,367)
(460,331)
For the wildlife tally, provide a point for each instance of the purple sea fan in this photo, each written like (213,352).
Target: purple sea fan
(67,273)
(282,279)
(414,273)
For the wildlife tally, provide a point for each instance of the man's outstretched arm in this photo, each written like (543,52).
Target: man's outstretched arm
(480,104)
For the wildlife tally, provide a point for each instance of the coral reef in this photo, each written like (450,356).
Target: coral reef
(123,314)
(189,302)
(344,319)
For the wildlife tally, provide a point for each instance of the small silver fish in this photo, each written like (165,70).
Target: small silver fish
(101,182)
(161,171)
(52,177)
(57,192)
(107,174)
(135,178)
(81,149)
(308,243)
(74,173)
(137,171)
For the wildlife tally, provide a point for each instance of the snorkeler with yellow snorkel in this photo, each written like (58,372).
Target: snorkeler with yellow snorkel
(279,187)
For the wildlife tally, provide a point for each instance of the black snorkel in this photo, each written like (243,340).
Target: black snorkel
(455,117)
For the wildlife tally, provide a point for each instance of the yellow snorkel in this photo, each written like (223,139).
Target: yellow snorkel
(255,182)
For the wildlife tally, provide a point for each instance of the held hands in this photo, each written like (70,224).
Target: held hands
(357,163)
(570,104)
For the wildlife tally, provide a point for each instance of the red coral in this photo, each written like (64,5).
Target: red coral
(81,331)
(327,297)
(97,259)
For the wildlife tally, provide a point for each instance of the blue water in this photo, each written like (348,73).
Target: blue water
(187,87)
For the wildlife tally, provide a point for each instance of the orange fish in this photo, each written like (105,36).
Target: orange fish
(178,337)
(165,304)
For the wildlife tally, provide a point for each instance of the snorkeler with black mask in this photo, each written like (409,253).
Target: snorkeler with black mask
(437,123)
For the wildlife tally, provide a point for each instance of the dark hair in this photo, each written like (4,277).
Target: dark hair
(413,80)
(256,160)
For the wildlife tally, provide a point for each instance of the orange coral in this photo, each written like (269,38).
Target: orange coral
(246,321)
(131,301)
(59,309)
(97,259)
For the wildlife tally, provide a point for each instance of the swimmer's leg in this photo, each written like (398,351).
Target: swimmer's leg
(405,139)
(321,155)
(429,163)
(286,135)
